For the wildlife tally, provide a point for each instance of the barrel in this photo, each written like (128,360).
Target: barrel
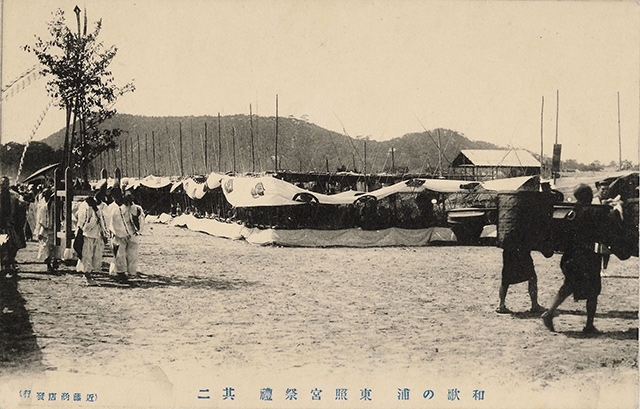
(524,219)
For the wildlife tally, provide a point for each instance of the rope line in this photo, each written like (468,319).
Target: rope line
(22,82)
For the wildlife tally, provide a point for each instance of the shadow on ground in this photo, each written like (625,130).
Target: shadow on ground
(104,279)
(19,350)
(631,333)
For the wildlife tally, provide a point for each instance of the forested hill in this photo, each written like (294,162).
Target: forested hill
(302,146)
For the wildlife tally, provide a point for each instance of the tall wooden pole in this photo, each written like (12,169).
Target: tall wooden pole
(139,162)
(233,141)
(126,158)
(193,162)
(619,137)
(153,151)
(2,18)
(147,169)
(133,163)
(181,164)
(258,134)
(219,146)
(439,154)
(393,160)
(253,155)
(541,135)
(167,162)
(276,158)
(365,159)
(206,166)
(557,112)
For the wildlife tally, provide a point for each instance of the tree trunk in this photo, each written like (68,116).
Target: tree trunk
(66,153)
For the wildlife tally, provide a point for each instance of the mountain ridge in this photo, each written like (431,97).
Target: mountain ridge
(302,146)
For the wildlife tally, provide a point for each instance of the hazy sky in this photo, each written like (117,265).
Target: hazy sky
(378,68)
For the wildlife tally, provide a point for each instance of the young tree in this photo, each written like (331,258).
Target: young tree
(81,84)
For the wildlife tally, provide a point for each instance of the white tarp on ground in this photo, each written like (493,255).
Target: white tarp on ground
(164,218)
(318,238)
(392,237)
(213,227)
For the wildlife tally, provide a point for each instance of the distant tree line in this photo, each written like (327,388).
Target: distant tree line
(571,165)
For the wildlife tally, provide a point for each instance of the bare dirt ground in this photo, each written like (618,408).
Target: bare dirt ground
(209,313)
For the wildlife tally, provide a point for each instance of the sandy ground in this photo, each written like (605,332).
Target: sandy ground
(209,313)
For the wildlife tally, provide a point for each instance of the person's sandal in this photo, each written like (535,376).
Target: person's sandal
(547,319)
(503,310)
(538,310)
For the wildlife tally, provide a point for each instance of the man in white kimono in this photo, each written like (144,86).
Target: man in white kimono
(94,229)
(125,224)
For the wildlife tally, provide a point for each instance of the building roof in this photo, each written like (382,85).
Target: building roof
(495,158)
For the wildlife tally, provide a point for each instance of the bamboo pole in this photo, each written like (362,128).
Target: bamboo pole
(139,162)
(219,145)
(146,154)
(276,158)
(557,111)
(393,160)
(541,136)
(133,163)
(253,156)
(233,140)
(193,161)
(258,135)
(180,148)
(126,158)
(167,163)
(153,150)
(619,137)
(206,165)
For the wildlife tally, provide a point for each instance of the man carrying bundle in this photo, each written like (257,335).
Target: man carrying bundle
(591,229)
(517,267)
(523,226)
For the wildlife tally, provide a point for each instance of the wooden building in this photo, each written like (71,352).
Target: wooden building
(488,164)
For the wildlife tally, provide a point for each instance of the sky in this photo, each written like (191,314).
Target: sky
(377,69)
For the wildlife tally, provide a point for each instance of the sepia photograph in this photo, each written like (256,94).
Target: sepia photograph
(319,204)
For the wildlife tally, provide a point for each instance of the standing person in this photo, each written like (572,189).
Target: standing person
(19,209)
(114,201)
(8,209)
(580,262)
(45,221)
(517,267)
(125,226)
(94,229)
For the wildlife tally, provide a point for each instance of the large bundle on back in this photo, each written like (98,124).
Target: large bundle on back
(524,220)
(630,223)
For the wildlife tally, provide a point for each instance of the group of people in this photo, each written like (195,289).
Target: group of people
(592,233)
(108,217)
